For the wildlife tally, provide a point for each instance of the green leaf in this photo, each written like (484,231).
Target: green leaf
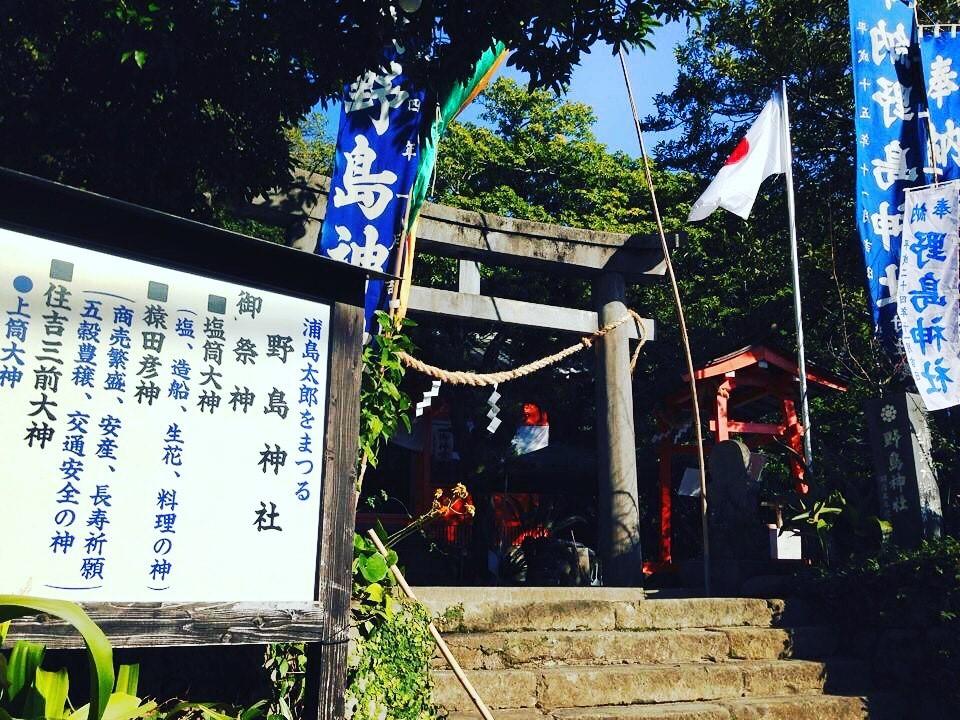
(120,706)
(140,58)
(254,711)
(375,592)
(128,678)
(373,568)
(99,652)
(22,667)
(126,56)
(53,688)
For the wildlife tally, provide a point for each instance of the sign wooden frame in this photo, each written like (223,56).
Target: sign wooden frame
(57,212)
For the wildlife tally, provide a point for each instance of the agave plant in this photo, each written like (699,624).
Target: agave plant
(23,684)
(28,692)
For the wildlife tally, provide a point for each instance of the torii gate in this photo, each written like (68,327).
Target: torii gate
(608,260)
(748,376)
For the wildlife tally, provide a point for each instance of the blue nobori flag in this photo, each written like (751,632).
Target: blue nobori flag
(940,51)
(888,88)
(374,169)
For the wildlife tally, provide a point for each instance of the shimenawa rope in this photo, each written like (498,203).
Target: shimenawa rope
(466,377)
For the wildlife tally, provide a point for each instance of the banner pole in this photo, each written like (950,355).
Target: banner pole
(795,262)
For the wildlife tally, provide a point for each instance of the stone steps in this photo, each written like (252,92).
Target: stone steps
(517,649)
(484,611)
(612,654)
(792,707)
(597,686)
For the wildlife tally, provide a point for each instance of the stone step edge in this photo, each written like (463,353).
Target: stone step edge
(807,707)
(856,706)
(575,613)
(746,664)
(497,650)
(549,687)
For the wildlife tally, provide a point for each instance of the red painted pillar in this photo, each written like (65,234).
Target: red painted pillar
(793,434)
(666,499)
(723,394)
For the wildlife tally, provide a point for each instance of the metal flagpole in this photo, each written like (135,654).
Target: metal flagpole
(798,314)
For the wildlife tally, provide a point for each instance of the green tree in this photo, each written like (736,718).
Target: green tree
(168,103)
(728,67)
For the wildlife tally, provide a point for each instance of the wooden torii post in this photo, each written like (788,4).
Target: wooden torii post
(608,260)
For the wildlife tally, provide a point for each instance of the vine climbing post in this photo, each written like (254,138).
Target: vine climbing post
(619,515)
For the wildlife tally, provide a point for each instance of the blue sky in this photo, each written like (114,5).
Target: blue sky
(598,82)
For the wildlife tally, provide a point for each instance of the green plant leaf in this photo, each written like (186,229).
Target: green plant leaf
(120,706)
(373,568)
(99,651)
(140,58)
(128,678)
(25,659)
(53,688)
(254,711)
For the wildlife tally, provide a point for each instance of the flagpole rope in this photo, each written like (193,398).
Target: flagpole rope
(466,377)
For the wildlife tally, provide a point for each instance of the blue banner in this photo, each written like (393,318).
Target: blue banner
(940,51)
(889,93)
(374,168)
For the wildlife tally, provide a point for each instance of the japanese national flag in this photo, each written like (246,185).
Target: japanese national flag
(759,155)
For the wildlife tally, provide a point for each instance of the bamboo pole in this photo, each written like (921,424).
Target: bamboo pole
(688,354)
(441,643)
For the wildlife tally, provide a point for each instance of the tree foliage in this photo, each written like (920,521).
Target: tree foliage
(167,103)
(538,159)
(728,68)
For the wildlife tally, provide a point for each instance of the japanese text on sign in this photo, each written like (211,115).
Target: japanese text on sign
(929,296)
(161,432)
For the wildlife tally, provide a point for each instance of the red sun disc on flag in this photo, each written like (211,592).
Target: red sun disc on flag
(739,152)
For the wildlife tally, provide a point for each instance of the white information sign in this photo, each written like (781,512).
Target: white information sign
(928,302)
(161,432)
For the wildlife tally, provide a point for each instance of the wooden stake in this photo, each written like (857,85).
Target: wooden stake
(444,650)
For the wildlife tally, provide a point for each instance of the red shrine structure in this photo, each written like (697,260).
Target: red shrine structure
(754,384)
